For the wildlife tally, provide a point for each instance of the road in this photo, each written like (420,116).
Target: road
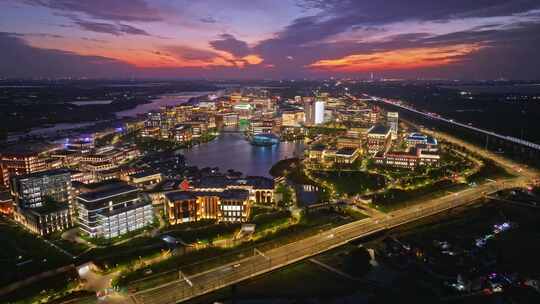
(259,263)
(195,284)
(511,139)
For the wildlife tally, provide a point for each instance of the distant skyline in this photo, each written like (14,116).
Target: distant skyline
(277,39)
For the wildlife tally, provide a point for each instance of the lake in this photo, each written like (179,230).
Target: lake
(233,151)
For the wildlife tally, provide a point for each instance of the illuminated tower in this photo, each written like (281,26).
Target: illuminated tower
(309,111)
(319,112)
(392,121)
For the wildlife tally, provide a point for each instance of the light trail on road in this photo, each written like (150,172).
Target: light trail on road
(257,264)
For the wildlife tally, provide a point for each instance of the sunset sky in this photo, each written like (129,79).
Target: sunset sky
(465,39)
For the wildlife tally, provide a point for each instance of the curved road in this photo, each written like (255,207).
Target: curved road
(261,262)
(195,284)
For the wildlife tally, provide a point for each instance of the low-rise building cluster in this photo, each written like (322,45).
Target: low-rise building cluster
(102,189)
(377,136)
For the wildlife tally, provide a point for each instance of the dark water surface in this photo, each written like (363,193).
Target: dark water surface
(233,151)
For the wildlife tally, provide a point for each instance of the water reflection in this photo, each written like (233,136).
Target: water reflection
(233,151)
(162,101)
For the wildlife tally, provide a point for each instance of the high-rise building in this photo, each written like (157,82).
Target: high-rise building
(392,121)
(309,110)
(292,118)
(112,209)
(20,163)
(319,112)
(33,190)
(43,201)
(378,139)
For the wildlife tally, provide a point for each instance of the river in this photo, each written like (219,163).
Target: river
(64,129)
(162,101)
(233,151)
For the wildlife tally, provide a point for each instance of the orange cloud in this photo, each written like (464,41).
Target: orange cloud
(398,59)
(252,59)
(179,58)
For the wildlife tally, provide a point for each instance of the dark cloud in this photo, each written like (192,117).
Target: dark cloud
(505,49)
(339,16)
(94,40)
(510,53)
(21,60)
(114,10)
(98,27)
(230,44)
(43,35)
(309,38)
(208,19)
(189,53)
(128,29)
(385,11)
(110,28)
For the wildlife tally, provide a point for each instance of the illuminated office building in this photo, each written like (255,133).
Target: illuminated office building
(392,121)
(319,112)
(112,209)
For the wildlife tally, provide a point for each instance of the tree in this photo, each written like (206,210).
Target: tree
(357,261)
(286,195)
(3,134)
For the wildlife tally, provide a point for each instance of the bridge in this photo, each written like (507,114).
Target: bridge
(433,116)
(189,286)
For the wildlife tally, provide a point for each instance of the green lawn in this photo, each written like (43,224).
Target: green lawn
(300,281)
(268,220)
(203,259)
(281,167)
(351,182)
(490,170)
(24,254)
(56,286)
(125,253)
(393,199)
(205,234)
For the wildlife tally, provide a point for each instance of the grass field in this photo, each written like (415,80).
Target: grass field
(56,286)
(300,282)
(351,182)
(23,254)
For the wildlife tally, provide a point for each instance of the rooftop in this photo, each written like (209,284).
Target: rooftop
(44,173)
(5,196)
(235,194)
(107,189)
(139,204)
(379,129)
(181,195)
(145,174)
(419,136)
(220,181)
(229,194)
(49,207)
(28,149)
(317,148)
(346,151)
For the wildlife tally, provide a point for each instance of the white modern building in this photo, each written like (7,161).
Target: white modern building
(113,209)
(319,112)
(392,120)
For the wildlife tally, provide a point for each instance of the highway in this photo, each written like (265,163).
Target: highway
(191,285)
(514,140)
(261,262)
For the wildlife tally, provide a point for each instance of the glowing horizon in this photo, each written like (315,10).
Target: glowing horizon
(289,38)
